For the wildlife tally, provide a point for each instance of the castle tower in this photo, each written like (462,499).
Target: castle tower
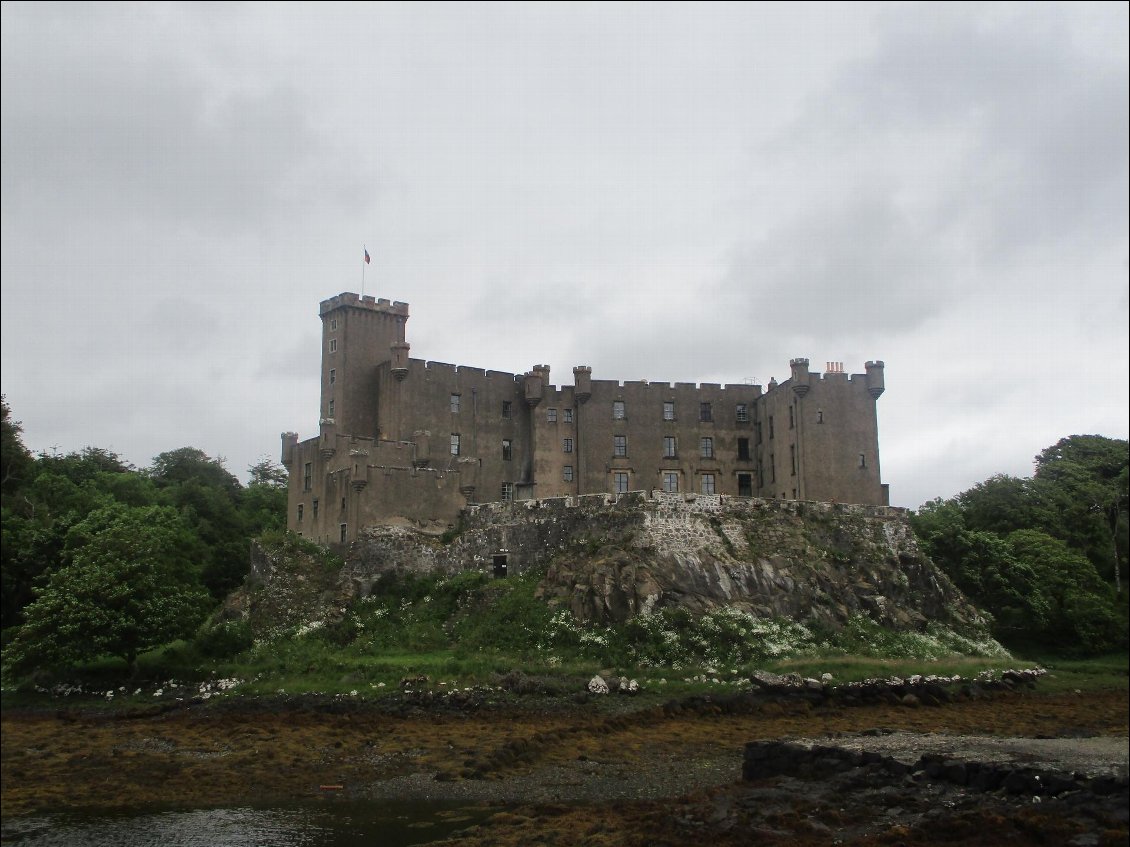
(358,334)
(876,385)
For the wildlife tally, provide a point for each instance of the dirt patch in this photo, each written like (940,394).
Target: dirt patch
(568,773)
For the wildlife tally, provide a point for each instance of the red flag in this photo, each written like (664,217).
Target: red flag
(367,255)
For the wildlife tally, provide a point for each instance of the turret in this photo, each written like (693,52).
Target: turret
(289,445)
(875,382)
(399,359)
(536,380)
(799,376)
(582,383)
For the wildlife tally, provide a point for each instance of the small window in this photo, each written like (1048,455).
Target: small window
(568,413)
(819,416)
(706,447)
(618,412)
(669,447)
(300,507)
(507,491)
(333,375)
(330,409)
(567,473)
(792,417)
(506,409)
(743,449)
(333,345)
(772,467)
(551,415)
(669,410)
(566,445)
(455,399)
(620,482)
(333,324)
(792,458)
(862,460)
(745,485)
(705,413)
(506,449)
(670,482)
(741,413)
(455,444)
(708,484)
(315,510)
(344,533)
(619,445)
(343,504)
(307,475)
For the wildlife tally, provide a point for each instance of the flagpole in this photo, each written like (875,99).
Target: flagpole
(363,263)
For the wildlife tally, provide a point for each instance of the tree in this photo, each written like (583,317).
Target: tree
(128,588)
(15,460)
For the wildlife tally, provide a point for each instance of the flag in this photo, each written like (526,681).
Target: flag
(367,255)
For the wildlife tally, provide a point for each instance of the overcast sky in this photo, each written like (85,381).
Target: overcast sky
(665,192)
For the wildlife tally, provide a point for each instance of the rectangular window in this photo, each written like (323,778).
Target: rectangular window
(568,413)
(566,445)
(620,482)
(455,444)
(745,485)
(704,412)
(567,473)
(772,468)
(792,458)
(708,484)
(507,491)
(343,504)
(819,416)
(315,509)
(619,445)
(506,408)
(307,475)
(862,460)
(618,412)
(741,413)
(706,447)
(551,415)
(792,417)
(743,449)
(669,447)
(333,375)
(333,324)
(330,410)
(669,410)
(344,533)
(300,507)
(670,482)
(506,449)
(455,404)
(333,345)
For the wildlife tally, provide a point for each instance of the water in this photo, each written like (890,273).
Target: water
(344,823)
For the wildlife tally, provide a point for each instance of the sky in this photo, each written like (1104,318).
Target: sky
(670,192)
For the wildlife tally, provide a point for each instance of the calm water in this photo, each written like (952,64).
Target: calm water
(345,823)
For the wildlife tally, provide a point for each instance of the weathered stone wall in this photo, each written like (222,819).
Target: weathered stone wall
(609,558)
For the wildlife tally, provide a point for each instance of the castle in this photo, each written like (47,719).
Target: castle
(404,439)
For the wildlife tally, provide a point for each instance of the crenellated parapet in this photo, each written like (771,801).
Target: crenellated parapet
(373,304)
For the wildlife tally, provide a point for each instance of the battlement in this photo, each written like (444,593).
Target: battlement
(464,370)
(348,299)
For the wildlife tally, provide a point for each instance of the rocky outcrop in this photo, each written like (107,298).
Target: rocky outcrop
(607,559)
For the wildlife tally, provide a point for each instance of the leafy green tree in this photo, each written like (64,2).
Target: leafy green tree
(128,587)
(15,460)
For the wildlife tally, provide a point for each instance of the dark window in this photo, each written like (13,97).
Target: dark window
(670,482)
(704,412)
(344,533)
(567,473)
(669,410)
(742,413)
(708,484)
(792,458)
(619,482)
(333,375)
(499,561)
(772,468)
(333,324)
(551,415)
(669,447)
(862,460)
(619,445)
(508,491)
(506,449)
(566,445)
(706,447)
(618,413)
(300,512)
(792,417)
(745,485)
(333,345)
(568,413)
(505,408)
(819,416)
(315,509)
(743,449)
(330,410)
(307,475)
